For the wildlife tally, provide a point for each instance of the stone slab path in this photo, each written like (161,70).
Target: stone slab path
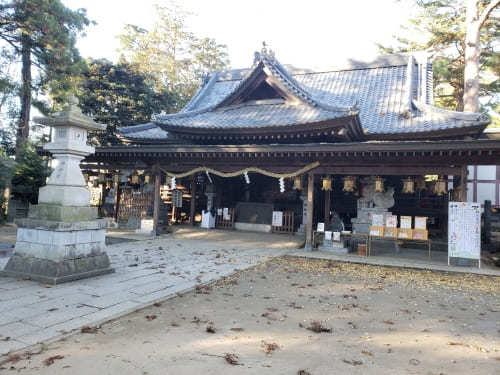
(146,272)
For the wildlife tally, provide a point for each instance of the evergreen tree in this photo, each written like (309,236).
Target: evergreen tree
(43,34)
(171,54)
(118,95)
(30,174)
(440,29)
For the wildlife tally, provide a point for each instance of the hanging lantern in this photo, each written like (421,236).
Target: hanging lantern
(420,183)
(349,184)
(440,186)
(408,186)
(147,178)
(135,179)
(108,185)
(102,177)
(379,185)
(86,177)
(327,183)
(297,183)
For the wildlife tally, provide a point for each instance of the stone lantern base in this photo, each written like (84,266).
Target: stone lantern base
(53,248)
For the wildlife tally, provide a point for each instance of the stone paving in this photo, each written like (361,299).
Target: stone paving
(146,272)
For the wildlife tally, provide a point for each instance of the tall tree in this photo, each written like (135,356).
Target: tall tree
(440,29)
(43,34)
(476,15)
(118,95)
(170,53)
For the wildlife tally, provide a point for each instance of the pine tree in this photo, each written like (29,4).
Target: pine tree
(43,34)
(440,29)
(118,95)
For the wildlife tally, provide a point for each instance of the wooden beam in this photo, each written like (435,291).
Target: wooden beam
(327,207)
(156,204)
(193,200)
(463,184)
(309,216)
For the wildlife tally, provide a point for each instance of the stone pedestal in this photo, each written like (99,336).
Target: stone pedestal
(62,239)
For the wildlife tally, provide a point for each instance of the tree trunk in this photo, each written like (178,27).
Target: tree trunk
(23,128)
(471,71)
(473,22)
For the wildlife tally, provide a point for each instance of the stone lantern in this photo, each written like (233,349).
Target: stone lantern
(62,239)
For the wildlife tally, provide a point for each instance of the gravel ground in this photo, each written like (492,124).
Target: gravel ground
(374,320)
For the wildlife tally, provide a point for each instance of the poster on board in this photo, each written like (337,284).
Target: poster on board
(277,218)
(464,230)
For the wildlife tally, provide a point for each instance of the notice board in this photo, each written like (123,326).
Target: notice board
(464,230)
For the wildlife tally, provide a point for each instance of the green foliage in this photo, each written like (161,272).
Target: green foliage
(118,95)
(30,173)
(439,28)
(173,56)
(43,33)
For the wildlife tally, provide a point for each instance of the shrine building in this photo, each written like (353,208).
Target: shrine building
(282,149)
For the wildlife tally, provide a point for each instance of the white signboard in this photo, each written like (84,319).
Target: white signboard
(177,198)
(328,235)
(321,227)
(464,231)
(277,218)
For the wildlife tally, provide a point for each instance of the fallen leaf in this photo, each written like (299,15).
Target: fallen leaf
(49,361)
(353,362)
(87,329)
(151,317)
(317,327)
(303,372)
(270,347)
(366,352)
(388,322)
(13,358)
(237,329)
(232,359)
(210,328)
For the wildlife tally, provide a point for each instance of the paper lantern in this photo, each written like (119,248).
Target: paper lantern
(440,186)
(379,185)
(297,183)
(327,183)
(108,185)
(408,186)
(86,177)
(147,178)
(420,183)
(349,184)
(135,179)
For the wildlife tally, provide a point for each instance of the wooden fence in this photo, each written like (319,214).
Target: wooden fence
(223,223)
(288,223)
(135,204)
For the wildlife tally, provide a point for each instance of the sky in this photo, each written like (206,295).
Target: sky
(311,34)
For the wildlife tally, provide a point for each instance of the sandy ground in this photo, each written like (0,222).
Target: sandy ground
(382,321)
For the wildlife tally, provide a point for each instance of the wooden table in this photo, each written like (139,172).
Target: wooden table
(395,239)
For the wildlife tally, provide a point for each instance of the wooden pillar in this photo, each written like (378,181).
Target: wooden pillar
(309,216)
(327,207)
(193,200)
(156,204)
(116,187)
(463,184)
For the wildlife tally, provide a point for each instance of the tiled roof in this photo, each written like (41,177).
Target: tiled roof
(259,113)
(393,95)
(144,131)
